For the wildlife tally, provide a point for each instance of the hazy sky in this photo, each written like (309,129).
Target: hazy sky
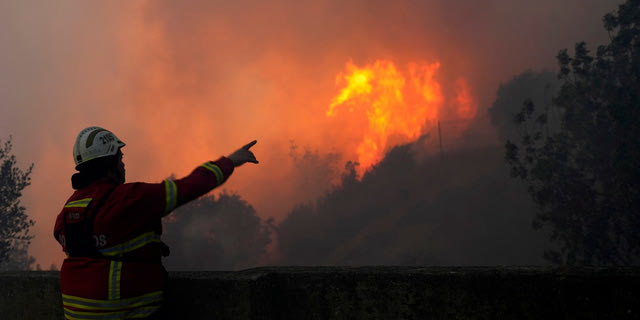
(183,82)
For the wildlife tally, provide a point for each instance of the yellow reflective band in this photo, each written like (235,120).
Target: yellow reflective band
(113,305)
(171,192)
(83,203)
(127,314)
(133,244)
(142,312)
(81,315)
(115,269)
(216,170)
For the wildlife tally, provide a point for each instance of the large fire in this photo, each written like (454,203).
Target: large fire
(395,107)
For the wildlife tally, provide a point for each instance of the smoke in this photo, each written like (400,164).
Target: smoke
(539,88)
(313,173)
(185,82)
(215,234)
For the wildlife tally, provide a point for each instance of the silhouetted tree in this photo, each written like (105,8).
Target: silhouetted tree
(14,223)
(585,176)
(18,258)
(214,234)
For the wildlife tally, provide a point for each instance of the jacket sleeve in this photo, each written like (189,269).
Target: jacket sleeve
(202,180)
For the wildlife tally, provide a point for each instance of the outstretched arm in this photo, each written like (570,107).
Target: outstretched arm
(202,181)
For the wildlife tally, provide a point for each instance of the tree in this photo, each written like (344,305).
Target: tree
(584,175)
(14,223)
(18,258)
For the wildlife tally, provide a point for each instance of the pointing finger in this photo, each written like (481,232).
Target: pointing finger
(250,144)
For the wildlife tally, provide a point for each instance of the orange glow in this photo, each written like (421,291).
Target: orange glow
(425,85)
(467,108)
(392,108)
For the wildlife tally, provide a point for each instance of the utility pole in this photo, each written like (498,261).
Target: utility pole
(440,137)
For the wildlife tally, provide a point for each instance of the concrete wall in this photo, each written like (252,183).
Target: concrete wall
(367,293)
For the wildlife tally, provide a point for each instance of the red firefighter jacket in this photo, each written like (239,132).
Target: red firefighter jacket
(126,279)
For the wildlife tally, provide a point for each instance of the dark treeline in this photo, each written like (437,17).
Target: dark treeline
(460,210)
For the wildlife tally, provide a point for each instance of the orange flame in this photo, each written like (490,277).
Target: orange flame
(394,109)
(378,90)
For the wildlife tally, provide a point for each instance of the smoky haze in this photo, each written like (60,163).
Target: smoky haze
(215,233)
(185,82)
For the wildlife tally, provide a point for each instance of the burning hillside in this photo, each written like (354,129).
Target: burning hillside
(398,106)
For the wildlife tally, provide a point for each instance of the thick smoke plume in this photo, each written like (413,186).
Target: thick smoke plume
(185,82)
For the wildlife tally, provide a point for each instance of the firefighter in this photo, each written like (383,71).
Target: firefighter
(110,230)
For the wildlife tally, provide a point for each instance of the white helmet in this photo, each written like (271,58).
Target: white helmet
(95,142)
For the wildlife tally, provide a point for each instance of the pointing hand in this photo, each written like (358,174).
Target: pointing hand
(243,155)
